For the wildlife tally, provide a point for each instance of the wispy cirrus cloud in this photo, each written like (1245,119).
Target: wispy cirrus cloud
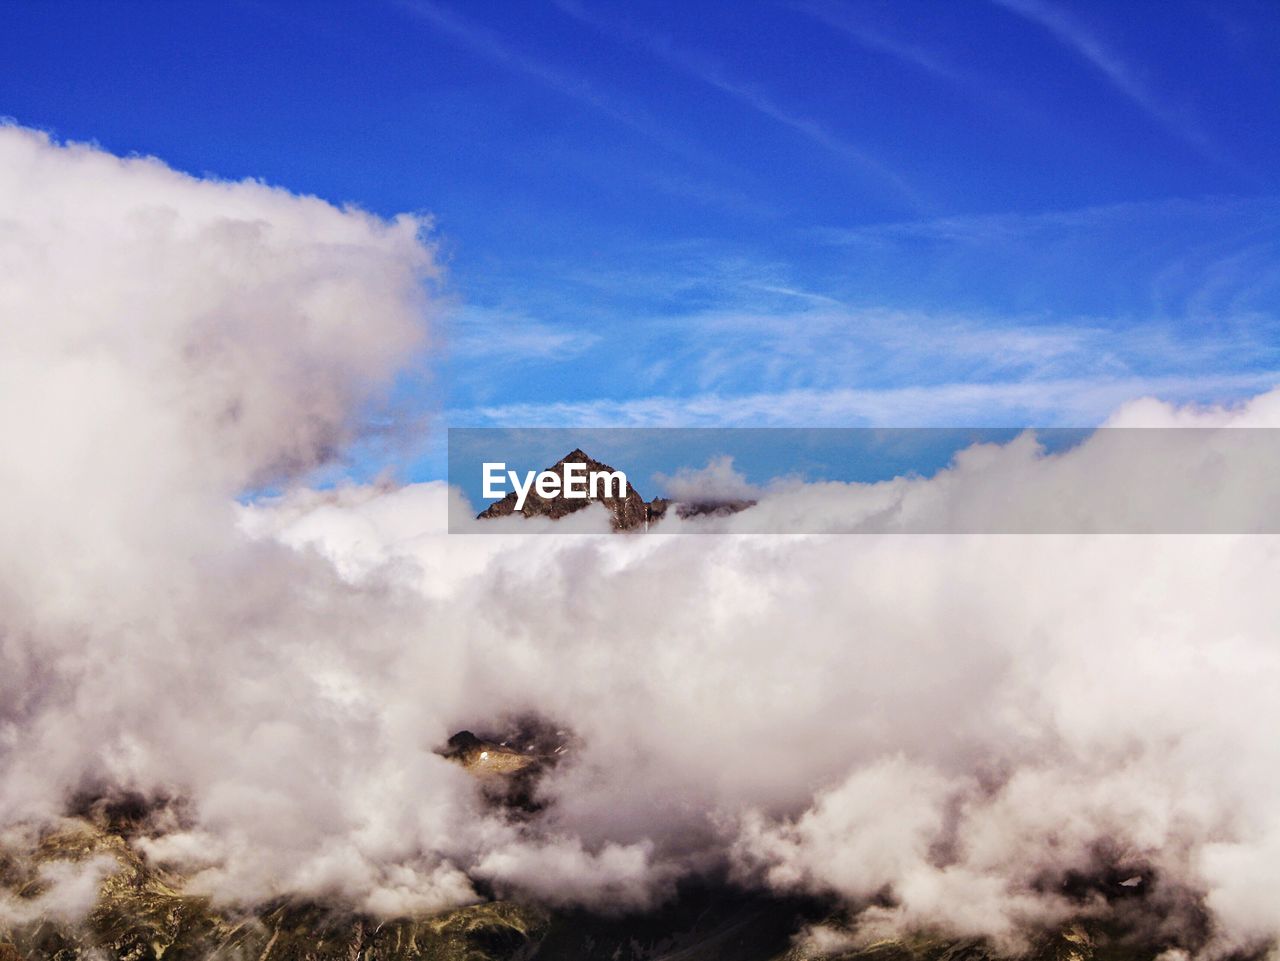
(1123,75)
(752,95)
(1116,299)
(833,365)
(863,32)
(1184,262)
(485,334)
(1068,402)
(827,348)
(1263,211)
(492,46)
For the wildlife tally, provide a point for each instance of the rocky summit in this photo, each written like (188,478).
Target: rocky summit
(628,512)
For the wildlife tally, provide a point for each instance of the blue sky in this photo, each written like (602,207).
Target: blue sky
(813,213)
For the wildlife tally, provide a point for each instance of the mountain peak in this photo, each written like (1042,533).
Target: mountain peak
(629,511)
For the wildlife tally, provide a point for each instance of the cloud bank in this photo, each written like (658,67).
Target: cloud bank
(976,733)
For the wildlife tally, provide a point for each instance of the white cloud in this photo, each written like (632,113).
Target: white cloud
(718,481)
(478,333)
(1066,402)
(963,721)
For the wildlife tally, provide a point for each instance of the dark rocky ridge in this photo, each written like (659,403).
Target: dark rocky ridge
(660,506)
(510,762)
(143,912)
(629,512)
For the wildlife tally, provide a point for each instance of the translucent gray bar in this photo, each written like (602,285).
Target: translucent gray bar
(870,481)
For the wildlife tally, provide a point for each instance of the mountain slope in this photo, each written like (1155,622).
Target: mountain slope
(628,511)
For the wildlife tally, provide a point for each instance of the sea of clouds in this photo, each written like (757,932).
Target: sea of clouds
(948,731)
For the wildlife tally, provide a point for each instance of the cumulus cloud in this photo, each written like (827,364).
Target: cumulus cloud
(718,481)
(616,877)
(984,733)
(65,891)
(169,342)
(978,733)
